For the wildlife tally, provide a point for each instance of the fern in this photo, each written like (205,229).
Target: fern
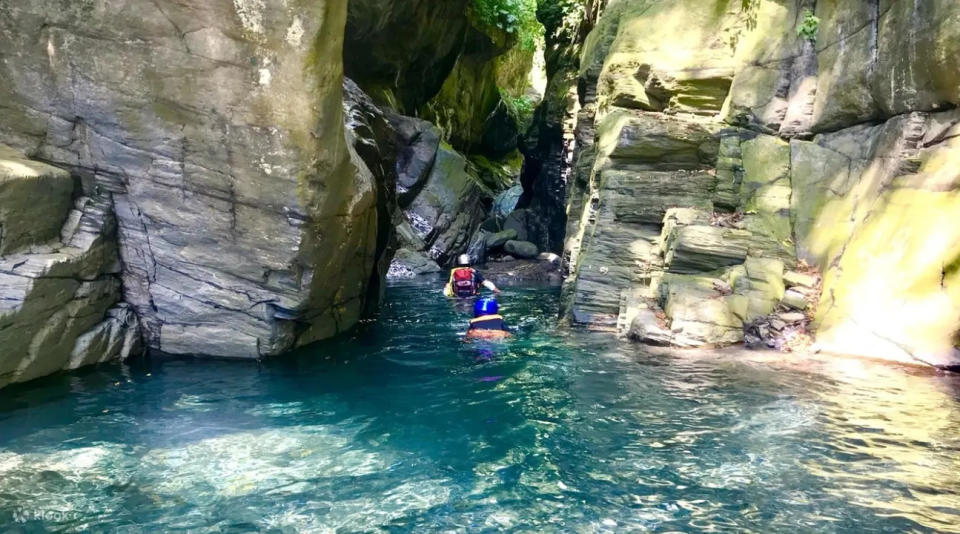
(809,26)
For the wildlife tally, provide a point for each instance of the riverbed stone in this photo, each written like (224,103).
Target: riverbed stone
(498,239)
(521,249)
(409,263)
(795,300)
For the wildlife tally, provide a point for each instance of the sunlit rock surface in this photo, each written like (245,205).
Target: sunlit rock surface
(871,200)
(215,132)
(59,275)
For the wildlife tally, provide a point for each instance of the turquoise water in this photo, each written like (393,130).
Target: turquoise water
(403,428)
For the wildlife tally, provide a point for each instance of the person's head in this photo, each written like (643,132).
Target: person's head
(485,306)
(463,260)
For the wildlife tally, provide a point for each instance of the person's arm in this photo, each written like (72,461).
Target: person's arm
(484,282)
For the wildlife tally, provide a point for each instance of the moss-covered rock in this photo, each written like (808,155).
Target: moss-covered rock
(666,56)
(765,191)
(444,215)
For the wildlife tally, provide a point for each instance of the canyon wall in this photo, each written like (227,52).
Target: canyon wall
(736,174)
(207,140)
(201,179)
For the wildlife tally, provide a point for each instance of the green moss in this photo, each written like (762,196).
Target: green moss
(498,175)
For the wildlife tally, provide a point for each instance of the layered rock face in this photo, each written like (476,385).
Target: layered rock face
(721,150)
(213,131)
(431,200)
(427,89)
(59,275)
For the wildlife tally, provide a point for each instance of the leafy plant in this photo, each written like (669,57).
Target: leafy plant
(515,17)
(555,14)
(809,26)
(520,108)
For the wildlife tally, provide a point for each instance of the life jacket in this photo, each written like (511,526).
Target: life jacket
(488,327)
(463,282)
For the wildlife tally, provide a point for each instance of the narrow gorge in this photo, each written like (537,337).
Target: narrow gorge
(719,240)
(183,179)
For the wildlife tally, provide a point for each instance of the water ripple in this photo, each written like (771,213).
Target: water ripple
(401,427)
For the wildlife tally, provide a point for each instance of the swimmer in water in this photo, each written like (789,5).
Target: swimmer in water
(487,323)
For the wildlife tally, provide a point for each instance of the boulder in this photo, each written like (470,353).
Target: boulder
(646,328)
(517,221)
(697,313)
(409,263)
(506,201)
(795,279)
(762,286)
(418,142)
(477,249)
(792,317)
(498,239)
(549,257)
(447,211)
(521,249)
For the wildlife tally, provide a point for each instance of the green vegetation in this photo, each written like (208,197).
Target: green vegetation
(809,26)
(520,108)
(515,17)
(555,14)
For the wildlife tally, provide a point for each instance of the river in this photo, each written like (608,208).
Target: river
(402,427)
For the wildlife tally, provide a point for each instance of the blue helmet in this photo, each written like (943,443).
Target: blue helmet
(485,306)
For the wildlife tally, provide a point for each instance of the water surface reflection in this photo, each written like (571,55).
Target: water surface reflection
(404,428)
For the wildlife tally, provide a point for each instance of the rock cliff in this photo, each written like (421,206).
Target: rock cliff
(725,144)
(212,134)
(201,178)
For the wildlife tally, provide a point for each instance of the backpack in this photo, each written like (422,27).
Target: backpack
(463,282)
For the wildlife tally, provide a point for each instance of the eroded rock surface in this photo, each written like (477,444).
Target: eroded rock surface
(216,131)
(58,287)
(720,149)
